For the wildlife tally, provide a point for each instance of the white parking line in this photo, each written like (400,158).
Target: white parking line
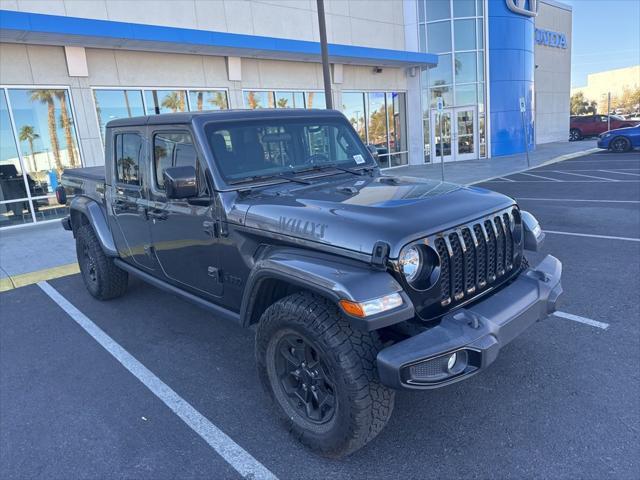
(540,176)
(578,318)
(607,237)
(505,179)
(620,173)
(234,454)
(564,181)
(576,200)
(588,176)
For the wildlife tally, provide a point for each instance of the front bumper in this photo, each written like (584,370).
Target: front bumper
(603,142)
(476,333)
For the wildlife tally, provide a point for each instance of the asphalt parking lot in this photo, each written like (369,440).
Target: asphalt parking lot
(561,401)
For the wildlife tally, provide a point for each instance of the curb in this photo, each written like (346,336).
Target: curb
(24,279)
(560,158)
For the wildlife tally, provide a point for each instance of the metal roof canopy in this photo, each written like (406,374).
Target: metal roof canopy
(36,28)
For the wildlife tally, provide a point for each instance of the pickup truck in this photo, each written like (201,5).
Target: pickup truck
(357,283)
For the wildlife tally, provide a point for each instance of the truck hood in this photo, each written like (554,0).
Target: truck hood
(356,212)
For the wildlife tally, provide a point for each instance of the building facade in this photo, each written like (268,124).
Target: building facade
(67,67)
(616,82)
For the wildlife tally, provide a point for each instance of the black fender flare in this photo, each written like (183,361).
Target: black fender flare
(94,213)
(333,277)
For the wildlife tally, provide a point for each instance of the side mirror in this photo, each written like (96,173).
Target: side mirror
(373,150)
(180,182)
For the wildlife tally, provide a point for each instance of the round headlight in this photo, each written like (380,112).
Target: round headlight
(410,263)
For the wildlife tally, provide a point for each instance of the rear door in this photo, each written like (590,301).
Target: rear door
(128,198)
(183,230)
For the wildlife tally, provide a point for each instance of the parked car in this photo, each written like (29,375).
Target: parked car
(620,139)
(582,126)
(358,283)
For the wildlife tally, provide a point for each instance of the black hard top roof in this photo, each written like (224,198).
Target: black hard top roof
(222,115)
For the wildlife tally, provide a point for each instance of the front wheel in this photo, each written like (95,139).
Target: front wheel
(321,374)
(620,144)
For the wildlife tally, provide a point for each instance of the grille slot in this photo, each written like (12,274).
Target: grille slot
(475,256)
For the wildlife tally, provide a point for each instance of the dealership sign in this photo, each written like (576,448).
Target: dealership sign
(551,39)
(523,7)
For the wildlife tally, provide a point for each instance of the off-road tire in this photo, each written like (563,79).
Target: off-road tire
(101,276)
(363,404)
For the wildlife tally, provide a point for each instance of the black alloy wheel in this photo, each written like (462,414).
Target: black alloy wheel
(620,144)
(574,135)
(89,271)
(304,378)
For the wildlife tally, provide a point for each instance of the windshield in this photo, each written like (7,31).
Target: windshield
(245,150)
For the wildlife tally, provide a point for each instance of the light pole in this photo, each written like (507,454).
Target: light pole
(322,27)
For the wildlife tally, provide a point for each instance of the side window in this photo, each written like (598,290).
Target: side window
(128,153)
(175,149)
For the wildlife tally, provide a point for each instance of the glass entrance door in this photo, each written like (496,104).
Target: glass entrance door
(459,134)
(446,135)
(465,134)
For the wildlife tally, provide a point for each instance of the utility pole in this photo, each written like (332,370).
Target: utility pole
(326,74)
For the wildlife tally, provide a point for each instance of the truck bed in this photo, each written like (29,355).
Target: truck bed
(88,181)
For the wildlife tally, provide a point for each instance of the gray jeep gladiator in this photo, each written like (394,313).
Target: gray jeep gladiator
(357,283)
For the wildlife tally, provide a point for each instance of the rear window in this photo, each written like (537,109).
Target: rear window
(128,151)
(248,149)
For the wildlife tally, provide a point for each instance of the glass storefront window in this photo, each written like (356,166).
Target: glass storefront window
(481,66)
(315,100)
(445,93)
(479,7)
(165,101)
(200,100)
(437,10)
(255,99)
(397,120)
(481,97)
(439,37)
(376,121)
(289,100)
(353,109)
(465,67)
(464,8)
(466,94)
(422,37)
(442,74)
(112,104)
(427,140)
(464,34)
(47,143)
(480,33)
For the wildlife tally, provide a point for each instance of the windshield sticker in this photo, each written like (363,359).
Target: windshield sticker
(359,159)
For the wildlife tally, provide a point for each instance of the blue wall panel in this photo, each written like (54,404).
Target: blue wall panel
(511,71)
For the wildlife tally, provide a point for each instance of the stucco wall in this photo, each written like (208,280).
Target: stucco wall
(553,76)
(46,66)
(355,22)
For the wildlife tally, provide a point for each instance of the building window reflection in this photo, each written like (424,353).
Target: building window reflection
(38,142)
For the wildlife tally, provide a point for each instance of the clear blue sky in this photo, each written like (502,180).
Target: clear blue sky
(606,35)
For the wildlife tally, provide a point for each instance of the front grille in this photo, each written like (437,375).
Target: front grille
(473,257)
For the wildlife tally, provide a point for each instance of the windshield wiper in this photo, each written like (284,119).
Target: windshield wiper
(283,175)
(358,172)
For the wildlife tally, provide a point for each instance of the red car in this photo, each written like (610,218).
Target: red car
(592,125)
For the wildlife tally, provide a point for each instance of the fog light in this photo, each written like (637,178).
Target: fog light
(452,361)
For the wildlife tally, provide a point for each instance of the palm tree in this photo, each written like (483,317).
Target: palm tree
(46,97)
(219,100)
(66,124)
(310,99)
(253,101)
(174,101)
(200,98)
(282,102)
(28,134)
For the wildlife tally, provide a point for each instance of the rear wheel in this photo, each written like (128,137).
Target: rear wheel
(321,374)
(620,144)
(101,277)
(575,135)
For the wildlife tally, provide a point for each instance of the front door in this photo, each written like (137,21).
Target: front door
(183,230)
(441,135)
(464,137)
(459,134)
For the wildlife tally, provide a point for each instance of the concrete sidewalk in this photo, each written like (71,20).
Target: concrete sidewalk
(44,251)
(476,171)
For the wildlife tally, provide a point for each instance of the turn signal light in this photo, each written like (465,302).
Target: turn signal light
(371,307)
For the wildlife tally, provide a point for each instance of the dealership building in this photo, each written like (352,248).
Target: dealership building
(422,80)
